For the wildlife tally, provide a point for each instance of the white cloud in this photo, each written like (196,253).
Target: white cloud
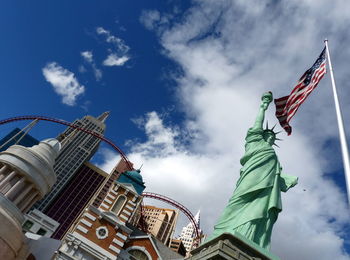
(87,55)
(150,18)
(97,72)
(82,69)
(64,83)
(100,30)
(114,60)
(118,43)
(161,139)
(230,53)
(119,53)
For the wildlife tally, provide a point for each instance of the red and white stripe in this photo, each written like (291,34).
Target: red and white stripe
(287,106)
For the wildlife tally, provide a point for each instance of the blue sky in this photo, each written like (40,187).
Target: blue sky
(58,32)
(183,81)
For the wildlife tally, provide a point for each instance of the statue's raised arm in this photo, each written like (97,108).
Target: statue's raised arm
(265,102)
(268,134)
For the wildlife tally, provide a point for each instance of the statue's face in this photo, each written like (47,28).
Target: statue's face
(269,137)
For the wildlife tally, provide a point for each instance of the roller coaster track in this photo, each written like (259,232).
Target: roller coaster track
(177,205)
(63,122)
(165,199)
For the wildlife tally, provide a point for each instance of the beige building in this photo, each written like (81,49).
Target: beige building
(160,222)
(177,246)
(26,175)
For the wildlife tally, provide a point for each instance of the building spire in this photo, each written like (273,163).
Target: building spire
(103,116)
(197,217)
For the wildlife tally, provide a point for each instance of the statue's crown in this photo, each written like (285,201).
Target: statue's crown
(268,130)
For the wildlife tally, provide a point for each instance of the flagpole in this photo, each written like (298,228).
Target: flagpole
(343,143)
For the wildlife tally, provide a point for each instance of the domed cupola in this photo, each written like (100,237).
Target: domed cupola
(22,167)
(133,177)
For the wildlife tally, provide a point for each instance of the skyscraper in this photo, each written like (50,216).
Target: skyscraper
(77,148)
(74,197)
(187,235)
(89,184)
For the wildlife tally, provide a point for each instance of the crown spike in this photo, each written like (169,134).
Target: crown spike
(278,132)
(278,139)
(273,127)
(276,145)
(267,125)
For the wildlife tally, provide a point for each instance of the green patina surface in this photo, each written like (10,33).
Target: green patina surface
(254,206)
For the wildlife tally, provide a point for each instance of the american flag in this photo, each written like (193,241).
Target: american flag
(287,106)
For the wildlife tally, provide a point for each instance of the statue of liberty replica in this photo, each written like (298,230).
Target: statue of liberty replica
(254,206)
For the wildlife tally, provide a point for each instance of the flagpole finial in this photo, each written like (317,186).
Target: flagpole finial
(325,40)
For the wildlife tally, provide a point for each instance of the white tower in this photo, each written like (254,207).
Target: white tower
(188,235)
(26,175)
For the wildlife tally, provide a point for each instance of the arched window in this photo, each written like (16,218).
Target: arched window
(119,203)
(136,254)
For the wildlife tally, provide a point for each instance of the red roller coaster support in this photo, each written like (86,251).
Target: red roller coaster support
(177,205)
(63,122)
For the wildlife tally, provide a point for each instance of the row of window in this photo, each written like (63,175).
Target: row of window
(28,224)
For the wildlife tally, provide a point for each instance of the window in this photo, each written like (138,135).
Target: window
(41,232)
(102,232)
(136,254)
(118,205)
(27,225)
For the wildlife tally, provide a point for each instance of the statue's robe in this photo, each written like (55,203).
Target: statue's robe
(254,206)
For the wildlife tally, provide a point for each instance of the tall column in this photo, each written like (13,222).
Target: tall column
(28,200)
(3,168)
(7,179)
(2,171)
(24,193)
(31,202)
(15,189)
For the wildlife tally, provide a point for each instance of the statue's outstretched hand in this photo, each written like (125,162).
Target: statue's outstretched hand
(266,100)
